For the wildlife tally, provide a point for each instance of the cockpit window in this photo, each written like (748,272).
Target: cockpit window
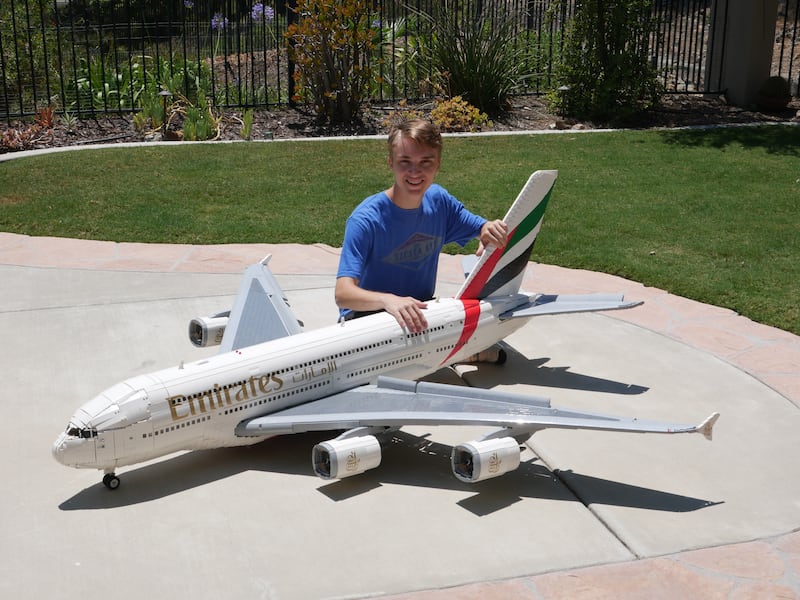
(85,433)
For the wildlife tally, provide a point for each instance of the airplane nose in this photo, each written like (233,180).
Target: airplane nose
(73,451)
(59,448)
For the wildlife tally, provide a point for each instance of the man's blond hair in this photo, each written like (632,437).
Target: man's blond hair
(421,131)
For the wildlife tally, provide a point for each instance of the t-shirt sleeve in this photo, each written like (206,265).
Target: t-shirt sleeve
(356,247)
(464,226)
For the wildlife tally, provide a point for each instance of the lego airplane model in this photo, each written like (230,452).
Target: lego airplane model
(271,378)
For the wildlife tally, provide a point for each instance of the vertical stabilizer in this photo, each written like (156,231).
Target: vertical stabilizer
(260,313)
(499,271)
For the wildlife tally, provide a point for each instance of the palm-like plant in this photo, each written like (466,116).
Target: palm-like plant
(476,54)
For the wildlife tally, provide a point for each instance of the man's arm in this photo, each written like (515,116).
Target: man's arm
(407,310)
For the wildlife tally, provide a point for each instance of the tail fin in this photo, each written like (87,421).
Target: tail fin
(499,271)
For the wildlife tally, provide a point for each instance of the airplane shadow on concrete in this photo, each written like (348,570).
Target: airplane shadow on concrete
(418,461)
(407,460)
(519,369)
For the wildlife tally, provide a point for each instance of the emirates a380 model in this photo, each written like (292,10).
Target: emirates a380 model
(271,378)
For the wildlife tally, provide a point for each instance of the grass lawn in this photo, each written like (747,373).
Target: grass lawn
(712,215)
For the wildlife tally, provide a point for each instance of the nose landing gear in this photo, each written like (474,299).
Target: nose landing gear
(111,481)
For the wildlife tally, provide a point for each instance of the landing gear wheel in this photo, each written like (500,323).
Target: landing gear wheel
(502,357)
(111,481)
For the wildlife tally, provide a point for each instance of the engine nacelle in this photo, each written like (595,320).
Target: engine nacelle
(484,459)
(208,331)
(339,458)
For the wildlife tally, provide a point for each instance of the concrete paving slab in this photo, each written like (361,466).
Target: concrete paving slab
(658,494)
(254,522)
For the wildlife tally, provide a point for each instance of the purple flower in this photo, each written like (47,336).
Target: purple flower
(261,11)
(188,4)
(376,24)
(219,21)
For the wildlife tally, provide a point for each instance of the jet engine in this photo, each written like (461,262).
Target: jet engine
(484,459)
(208,331)
(343,457)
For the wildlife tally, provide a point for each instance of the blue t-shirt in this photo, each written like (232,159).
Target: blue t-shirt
(396,250)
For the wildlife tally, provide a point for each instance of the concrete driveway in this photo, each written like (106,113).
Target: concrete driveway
(586,515)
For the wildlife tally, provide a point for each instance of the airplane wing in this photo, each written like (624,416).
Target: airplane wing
(394,403)
(261,313)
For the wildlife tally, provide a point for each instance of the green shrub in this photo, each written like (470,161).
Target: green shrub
(402,113)
(29,51)
(199,122)
(101,86)
(331,45)
(776,87)
(458,115)
(605,72)
(399,61)
(247,124)
(153,113)
(477,55)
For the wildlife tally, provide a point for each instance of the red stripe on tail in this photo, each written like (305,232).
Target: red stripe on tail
(481,277)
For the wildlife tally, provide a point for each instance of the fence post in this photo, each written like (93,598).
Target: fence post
(740,48)
(291,19)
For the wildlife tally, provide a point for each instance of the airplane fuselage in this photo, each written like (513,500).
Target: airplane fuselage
(198,405)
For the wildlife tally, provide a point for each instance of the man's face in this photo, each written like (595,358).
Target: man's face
(414,166)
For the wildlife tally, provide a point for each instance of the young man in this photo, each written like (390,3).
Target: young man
(393,239)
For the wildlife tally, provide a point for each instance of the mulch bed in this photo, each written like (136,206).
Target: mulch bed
(526,113)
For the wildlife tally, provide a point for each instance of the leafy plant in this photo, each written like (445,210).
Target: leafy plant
(403,113)
(100,86)
(69,120)
(181,76)
(20,138)
(475,53)
(458,115)
(199,122)
(247,124)
(153,112)
(331,45)
(45,117)
(399,59)
(776,87)
(28,51)
(140,122)
(605,72)
(775,94)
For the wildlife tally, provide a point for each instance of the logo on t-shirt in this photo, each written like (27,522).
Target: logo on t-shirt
(412,253)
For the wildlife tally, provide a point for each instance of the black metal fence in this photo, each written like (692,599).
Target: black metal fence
(90,57)
(786,54)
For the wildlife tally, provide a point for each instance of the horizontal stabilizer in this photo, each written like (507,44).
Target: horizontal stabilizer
(553,304)
(468,262)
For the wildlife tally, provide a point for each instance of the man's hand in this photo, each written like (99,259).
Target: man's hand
(493,233)
(407,311)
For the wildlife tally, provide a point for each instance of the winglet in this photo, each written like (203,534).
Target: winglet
(707,426)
